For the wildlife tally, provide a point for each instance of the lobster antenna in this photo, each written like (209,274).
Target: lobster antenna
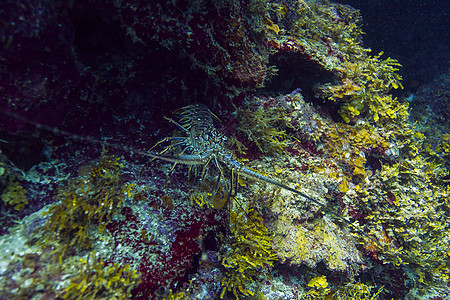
(72,136)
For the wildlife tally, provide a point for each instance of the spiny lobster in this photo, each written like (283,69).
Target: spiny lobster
(203,145)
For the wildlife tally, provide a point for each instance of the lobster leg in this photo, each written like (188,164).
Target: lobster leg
(176,123)
(173,146)
(230,193)
(173,167)
(166,139)
(216,186)
(165,150)
(236,184)
(204,168)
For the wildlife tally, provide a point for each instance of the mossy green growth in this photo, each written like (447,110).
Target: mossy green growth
(251,252)
(362,82)
(312,20)
(87,203)
(408,212)
(265,127)
(319,288)
(364,90)
(347,143)
(439,148)
(318,282)
(357,291)
(97,279)
(15,195)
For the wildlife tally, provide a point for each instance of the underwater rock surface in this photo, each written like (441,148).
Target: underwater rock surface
(90,88)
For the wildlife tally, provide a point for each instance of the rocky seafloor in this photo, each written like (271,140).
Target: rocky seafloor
(90,90)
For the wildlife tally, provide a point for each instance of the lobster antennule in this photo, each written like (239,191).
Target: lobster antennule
(182,159)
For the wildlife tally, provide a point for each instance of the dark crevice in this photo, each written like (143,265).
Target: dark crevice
(296,72)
